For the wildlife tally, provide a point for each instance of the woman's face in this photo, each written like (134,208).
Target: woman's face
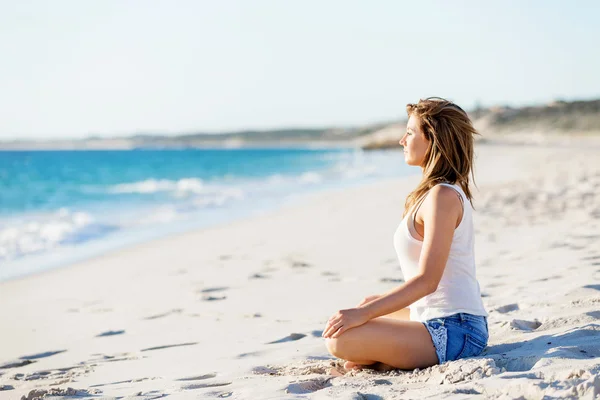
(414,142)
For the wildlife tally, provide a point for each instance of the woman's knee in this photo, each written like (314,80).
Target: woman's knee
(333,346)
(338,347)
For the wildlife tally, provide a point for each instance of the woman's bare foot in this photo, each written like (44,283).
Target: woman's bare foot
(340,370)
(377,366)
(349,365)
(335,372)
(337,368)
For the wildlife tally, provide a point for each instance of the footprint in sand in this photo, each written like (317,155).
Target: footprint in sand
(548,278)
(579,352)
(34,376)
(110,333)
(258,276)
(121,382)
(218,395)
(263,370)
(308,386)
(168,346)
(16,364)
(193,386)
(595,287)
(392,280)
(151,395)
(292,337)
(507,308)
(62,393)
(465,391)
(214,289)
(365,396)
(26,360)
(173,311)
(250,354)
(594,314)
(524,325)
(381,382)
(208,297)
(41,355)
(198,378)
(213,298)
(117,357)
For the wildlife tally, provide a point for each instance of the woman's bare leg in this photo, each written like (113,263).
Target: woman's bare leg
(396,343)
(403,315)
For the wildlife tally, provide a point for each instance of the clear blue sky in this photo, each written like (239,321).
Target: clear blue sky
(114,67)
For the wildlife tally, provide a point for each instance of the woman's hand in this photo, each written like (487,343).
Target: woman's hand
(343,320)
(368,299)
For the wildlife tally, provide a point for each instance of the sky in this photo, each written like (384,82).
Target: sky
(73,69)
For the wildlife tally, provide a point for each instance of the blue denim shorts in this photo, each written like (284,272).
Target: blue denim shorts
(458,336)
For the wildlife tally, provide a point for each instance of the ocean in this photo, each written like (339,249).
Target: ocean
(59,207)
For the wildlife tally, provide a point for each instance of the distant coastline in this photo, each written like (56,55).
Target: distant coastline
(495,123)
(124,145)
(280,138)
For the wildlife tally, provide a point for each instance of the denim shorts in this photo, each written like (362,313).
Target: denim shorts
(458,336)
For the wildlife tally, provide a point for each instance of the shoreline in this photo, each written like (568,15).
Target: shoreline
(250,217)
(112,226)
(237,310)
(102,247)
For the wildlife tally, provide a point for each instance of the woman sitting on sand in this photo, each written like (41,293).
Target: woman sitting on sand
(445,319)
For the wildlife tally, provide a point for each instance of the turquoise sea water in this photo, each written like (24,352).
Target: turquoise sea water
(57,207)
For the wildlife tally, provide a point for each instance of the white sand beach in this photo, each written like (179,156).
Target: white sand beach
(237,311)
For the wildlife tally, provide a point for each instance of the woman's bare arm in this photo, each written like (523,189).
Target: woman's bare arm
(441,210)
(403,314)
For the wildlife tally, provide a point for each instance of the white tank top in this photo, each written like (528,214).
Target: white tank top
(458,290)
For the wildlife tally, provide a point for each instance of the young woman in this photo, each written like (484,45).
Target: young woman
(445,319)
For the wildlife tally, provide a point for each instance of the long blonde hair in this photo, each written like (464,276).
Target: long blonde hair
(449,156)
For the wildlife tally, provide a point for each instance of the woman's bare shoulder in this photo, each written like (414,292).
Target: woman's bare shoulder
(443,199)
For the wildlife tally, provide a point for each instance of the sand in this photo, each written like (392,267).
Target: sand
(237,311)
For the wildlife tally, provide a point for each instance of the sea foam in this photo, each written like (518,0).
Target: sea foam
(43,232)
(181,186)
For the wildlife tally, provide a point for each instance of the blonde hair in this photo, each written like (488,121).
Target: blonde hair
(449,156)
